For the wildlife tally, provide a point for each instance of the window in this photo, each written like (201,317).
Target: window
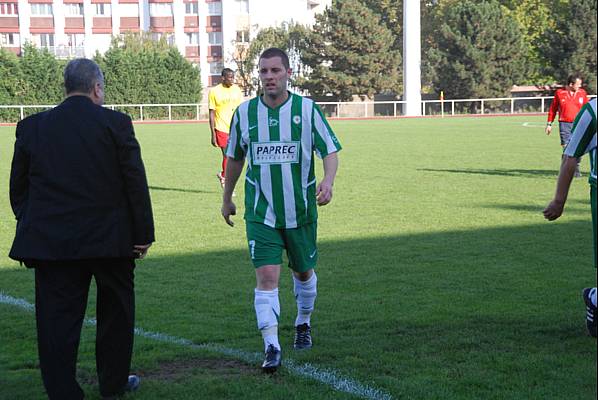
(160,9)
(214,38)
(215,8)
(242,36)
(191,8)
(43,40)
(9,9)
(128,10)
(41,9)
(216,68)
(73,9)
(103,9)
(75,39)
(168,37)
(242,6)
(192,38)
(9,39)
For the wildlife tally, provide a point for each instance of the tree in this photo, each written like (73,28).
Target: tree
(43,75)
(12,84)
(138,69)
(478,51)
(291,38)
(350,52)
(571,45)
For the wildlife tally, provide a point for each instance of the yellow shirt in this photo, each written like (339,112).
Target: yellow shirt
(224,101)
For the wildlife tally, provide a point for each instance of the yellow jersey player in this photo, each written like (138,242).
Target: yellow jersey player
(223,100)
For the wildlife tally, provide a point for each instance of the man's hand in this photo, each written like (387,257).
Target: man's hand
(214,140)
(553,210)
(548,129)
(140,250)
(324,192)
(228,209)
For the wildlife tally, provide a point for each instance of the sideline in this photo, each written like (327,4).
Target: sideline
(326,376)
(533,124)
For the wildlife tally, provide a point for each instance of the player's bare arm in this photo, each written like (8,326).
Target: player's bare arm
(233,171)
(212,118)
(324,189)
(555,208)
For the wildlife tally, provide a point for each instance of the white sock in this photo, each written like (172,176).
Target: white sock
(305,295)
(593,296)
(267,311)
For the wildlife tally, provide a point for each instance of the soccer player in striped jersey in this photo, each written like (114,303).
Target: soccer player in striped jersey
(583,140)
(278,133)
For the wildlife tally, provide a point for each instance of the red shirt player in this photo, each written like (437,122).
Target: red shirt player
(567,102)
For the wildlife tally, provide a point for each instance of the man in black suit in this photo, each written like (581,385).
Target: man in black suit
(79,192)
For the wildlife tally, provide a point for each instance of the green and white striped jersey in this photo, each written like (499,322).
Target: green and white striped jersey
(583,137)
(279,145)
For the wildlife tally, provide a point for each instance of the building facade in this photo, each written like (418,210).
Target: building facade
(206,32)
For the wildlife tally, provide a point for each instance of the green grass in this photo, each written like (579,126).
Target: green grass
(438,276)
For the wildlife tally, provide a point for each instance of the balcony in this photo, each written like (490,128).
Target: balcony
(65,52)
(129,24)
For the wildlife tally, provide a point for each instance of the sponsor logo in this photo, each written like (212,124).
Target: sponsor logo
(275,152)
(272,121)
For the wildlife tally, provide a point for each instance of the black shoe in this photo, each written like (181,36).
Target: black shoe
(132,385)
(273,359)
(302,337)
(590,312)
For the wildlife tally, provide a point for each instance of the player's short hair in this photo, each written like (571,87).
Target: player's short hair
(276,52)
(226,71)
(81,75)
(571,79)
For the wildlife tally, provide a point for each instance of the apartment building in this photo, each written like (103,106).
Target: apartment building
(206,32)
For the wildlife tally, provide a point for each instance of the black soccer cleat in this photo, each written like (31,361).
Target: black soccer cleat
(590,312)
(302,337)
(273,359)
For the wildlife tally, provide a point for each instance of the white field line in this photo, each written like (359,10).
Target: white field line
(533,124)
(326,376)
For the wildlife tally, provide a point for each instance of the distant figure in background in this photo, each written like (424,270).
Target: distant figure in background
(223,99)
(79,193)
(583,140)
(567,102)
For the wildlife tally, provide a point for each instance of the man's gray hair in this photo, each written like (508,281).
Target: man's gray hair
(81,75)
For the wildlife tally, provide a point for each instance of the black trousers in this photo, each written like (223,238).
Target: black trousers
(61,290)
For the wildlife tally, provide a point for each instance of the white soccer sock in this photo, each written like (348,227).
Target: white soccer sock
(267,311)
(593,296)
(305,295)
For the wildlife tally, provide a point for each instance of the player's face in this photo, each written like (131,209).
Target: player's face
(274,76)
(575,86)
(228,79)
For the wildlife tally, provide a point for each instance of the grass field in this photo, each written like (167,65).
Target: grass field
(438,276)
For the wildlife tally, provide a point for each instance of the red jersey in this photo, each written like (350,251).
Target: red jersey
(567,104)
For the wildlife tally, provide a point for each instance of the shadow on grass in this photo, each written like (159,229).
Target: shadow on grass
(180,190)
(525,173)
(481,312)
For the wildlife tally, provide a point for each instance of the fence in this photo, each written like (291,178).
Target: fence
(368,109)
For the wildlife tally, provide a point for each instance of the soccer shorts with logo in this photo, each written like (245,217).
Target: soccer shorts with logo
(266,245)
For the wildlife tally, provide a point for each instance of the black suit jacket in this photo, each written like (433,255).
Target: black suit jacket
(77,185)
